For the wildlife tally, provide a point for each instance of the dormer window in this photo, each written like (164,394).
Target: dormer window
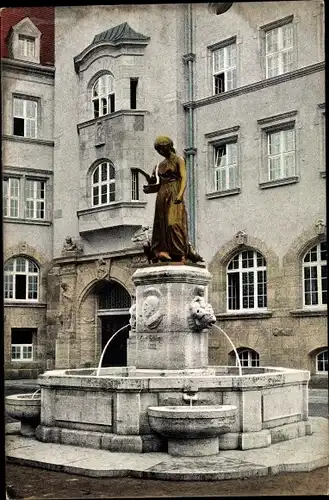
(24,41)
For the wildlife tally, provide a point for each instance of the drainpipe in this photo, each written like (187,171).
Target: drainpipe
(190,151)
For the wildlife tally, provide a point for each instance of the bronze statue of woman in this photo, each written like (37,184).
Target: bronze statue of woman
(170,233)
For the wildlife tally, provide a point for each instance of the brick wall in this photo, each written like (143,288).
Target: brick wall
(42,17)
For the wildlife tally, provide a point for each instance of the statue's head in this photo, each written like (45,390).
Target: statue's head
(164,145)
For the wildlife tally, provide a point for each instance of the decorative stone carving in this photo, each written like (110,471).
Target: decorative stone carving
(200,313)
(151,308)
(100,134)
(282,332)
(320,227)
(66,307)
(70,247)
(241,238)
(102,269)
(132,319)
(23,247)
(142,238)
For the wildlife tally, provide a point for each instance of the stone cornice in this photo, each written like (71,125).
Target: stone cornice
(7,169)
(111,116)
(27,67)
(112,206)
(18,138)
(127,252)
(253,87)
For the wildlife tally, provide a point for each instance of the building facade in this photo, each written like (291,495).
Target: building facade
(242,96)
(27,70)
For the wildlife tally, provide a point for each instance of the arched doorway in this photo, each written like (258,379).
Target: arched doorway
(113,313)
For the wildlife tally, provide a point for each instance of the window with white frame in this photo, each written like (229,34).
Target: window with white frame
(103,96)
(134,186)
(22,344)
(279,50)
(21,279)
(10,187)
(103,184)
(225,166)
(248,357)
(246,282)
(25,116)
(34,199)
(315,276)
(281,162)
(224,68)
(322,362)
(26,46)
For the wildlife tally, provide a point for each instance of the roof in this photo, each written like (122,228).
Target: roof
(119,34)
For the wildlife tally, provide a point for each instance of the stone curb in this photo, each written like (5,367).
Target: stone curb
(226,465)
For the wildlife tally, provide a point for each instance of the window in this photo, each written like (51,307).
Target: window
(21,279)
(103,184)
(322,362)
(224,68)
(225,162)
(34,199)
(279,50)
(248,357)
(246,282)
(26,46)
(22,344)
(25,117)
(134,186)
(133,93)
(315,276)
(103,97)
(10,187)
(281,154)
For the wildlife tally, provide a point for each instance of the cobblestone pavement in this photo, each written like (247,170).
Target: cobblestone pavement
(33,484)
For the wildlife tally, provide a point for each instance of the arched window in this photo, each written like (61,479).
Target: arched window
(322,362)
(315,276)
(103,96)
(247,357)
(103,184)
(246,282)
(21,279)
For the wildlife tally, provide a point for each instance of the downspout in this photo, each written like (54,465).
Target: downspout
(190,151)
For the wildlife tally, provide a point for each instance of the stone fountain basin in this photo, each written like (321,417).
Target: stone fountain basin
(192,422)
(23,406)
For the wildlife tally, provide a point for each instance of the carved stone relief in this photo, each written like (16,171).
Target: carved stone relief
(102,269)
(151,308)
(200,312)
(241,238)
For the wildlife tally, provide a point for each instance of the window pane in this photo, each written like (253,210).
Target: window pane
(20,286)
(33,268)
(218,60)
(233,291)
(272,41)
(19,107)
(19,127)
(21,264)
(112,172)
(287,35)
(104,171)
(287,61)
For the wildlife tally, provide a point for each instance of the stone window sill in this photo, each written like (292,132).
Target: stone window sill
(299,313)
(112,206)
(278,182)
(27,221)
(18,138)
(244,315)
(16,303)
(220,194)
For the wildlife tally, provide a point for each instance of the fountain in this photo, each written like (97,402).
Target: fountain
(26,408)
(151,406)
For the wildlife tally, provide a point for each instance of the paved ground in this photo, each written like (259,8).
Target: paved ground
(33,484)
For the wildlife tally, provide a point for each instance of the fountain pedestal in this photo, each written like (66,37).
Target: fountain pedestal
(167,337)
